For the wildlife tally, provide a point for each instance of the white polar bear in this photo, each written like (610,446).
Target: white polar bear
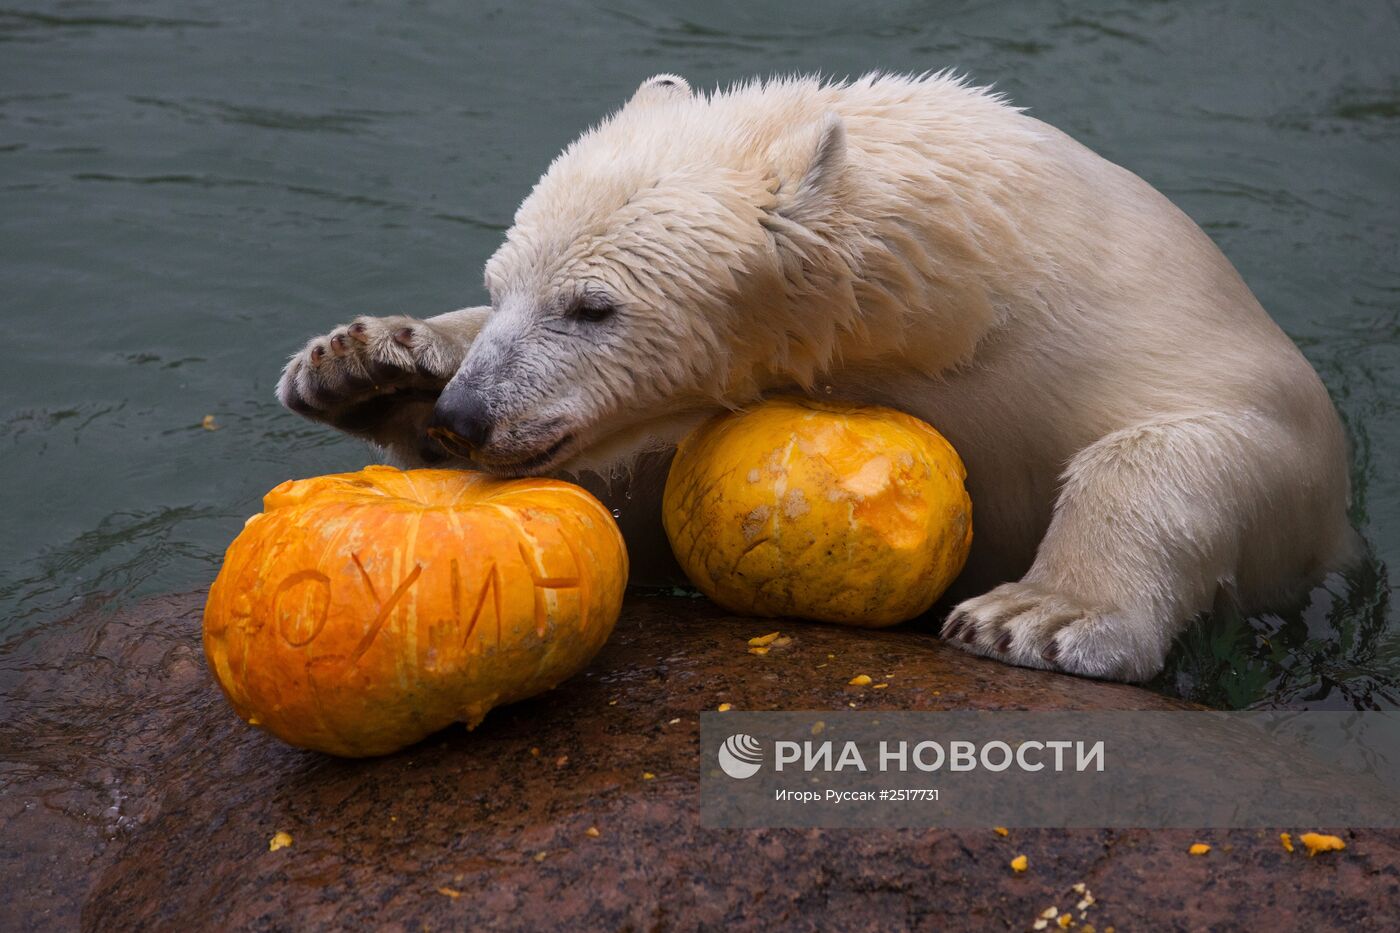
(1141,439)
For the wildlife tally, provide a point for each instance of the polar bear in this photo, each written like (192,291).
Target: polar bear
(1141,439)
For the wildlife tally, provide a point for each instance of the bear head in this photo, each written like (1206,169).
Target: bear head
(686,254)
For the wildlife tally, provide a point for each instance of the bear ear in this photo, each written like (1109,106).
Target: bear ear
(811,195)
(661,87)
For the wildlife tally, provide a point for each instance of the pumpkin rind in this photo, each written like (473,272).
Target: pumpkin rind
(828,511)
(361,612)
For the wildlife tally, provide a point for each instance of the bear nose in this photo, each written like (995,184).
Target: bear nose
(461,419)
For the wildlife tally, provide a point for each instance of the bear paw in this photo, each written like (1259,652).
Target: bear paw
(358,375)
(1033,625)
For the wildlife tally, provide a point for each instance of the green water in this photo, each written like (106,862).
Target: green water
(189,190)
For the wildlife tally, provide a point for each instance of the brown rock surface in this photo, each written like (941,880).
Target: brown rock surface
(132,797)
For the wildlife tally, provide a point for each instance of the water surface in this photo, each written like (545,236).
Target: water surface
(189,190)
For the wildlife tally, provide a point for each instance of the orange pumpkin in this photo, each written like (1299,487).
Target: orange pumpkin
(819,510)
(361,612)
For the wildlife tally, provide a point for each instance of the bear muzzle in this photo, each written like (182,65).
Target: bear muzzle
(461,420)
(464,425)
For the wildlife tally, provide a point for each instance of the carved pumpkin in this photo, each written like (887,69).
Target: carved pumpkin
(361,612)
(829,511)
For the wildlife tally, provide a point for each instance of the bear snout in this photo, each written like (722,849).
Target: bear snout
(461,419)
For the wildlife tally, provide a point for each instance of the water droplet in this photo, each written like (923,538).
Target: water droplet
(827,388)
(617,513)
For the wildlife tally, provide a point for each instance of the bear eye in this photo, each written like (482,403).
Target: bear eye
(592,311)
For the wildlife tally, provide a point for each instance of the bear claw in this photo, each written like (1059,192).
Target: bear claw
(1034,625)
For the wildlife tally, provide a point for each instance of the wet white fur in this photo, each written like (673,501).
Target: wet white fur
(1141,439)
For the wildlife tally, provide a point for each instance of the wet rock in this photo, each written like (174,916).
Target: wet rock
(131,797)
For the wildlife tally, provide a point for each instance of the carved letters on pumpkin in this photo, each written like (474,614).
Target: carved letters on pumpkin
(297,635)
(312,585)
(385,609)
(490,587)
(544,582)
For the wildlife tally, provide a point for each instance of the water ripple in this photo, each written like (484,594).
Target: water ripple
(25,20)
(325,194)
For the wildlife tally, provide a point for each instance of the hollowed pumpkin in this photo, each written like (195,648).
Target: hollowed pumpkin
(361,612)
(828,511)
